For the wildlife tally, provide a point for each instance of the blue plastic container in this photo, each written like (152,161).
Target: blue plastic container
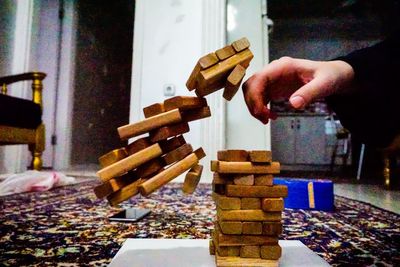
(308,194)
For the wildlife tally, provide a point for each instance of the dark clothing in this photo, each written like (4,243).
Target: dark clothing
(372,112)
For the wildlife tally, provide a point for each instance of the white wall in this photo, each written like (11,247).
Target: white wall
(244,131)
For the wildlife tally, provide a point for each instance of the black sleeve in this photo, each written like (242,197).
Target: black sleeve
(372,112)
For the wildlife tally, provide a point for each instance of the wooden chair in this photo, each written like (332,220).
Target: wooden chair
(14,128)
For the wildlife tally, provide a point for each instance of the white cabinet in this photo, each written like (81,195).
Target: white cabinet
(299,140)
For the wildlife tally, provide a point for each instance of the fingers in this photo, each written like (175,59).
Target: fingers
(253,91)
(308,92)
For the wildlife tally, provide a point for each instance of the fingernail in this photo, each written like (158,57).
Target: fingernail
(297,101)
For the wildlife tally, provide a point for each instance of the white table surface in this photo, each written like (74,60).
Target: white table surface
(195,253)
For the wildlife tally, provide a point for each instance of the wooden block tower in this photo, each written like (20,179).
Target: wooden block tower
(249,209)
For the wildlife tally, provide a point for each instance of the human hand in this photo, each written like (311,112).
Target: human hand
(300,80)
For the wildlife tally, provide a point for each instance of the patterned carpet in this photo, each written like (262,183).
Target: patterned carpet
(67,226)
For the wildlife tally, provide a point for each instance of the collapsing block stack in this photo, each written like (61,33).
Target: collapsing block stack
(249,209)
(153,160)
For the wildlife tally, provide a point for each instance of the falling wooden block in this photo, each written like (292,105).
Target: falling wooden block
(149,168)
(232,155)
(125,193)
(272,228)
(245,167)
(230,228)
(184,103)
(250,203)
(211,88)
(272,204)
(260,156)
(191,83)
(172,143)
(149,124)
(192,179)
(196,114)
(138,144)
(248,215)
(233,82)
(208,60)
(241,44)
(243,262)
(242,240)
(130,162)
(169,131)
(199,153)
(244,179)
(153,110)
(203,63)
(271,252)
(226,203)
(221,179)
(264,179)
(256,191)
(219,189)
(225,52)
(168,174)
(177,154)
(220,71)
(114,184)
(252,228)
(250,252)
(112,157)
(211,247)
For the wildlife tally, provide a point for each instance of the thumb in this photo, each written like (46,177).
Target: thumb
(307,93)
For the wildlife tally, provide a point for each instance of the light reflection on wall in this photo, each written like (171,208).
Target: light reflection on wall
(231,17)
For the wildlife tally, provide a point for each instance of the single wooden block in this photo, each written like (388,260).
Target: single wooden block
(247,179)
(219,189)
(177,154)
(246,167)
(272,204)
(226,203)
(248,215)
(241,44)
(260,156)
(231,228)
(251,203)
(192,179)
(208,60)
(172,143)
(153,110)
(211,247)
(252,228)
(250,252)
(211,88)
(256,191)
(125,193)
(242,240)
(214,165)
(233,82)
(264,179)
(138,144)
(191,83)
(232,155)
(196,114)
(272,228)
(243,262)
(168,174)
(149,124)
(121,181)
(149,168)
(225,52)
(219,72)
(184,103)
(271,252)
(169,131)
(130,162)
(221,179)
(199,153)
(229,251)
(112,157)
(103,190)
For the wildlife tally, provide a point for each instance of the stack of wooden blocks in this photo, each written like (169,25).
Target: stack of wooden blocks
(249,209)
(153,160)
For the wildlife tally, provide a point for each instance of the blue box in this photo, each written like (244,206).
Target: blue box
(308,194)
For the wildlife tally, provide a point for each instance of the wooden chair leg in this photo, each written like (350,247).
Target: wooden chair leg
(37,148)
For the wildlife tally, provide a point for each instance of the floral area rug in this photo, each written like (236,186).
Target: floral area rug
(68,226)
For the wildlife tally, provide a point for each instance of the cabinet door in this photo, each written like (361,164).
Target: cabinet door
(283,140)
(310,140)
